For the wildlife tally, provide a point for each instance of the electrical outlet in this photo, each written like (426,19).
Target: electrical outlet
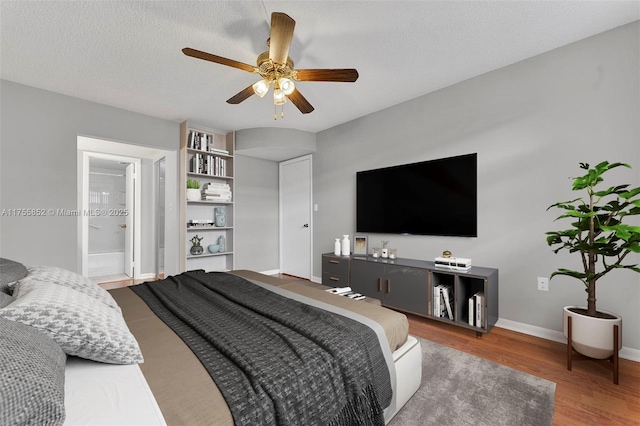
(543,284)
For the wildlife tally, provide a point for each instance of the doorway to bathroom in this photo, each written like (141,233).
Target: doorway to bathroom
(112,210)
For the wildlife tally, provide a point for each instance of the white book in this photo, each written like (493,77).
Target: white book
(479,298)
(439,308)
(472,310)
(339,290)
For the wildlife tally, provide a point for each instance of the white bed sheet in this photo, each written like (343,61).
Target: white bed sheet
(108,394)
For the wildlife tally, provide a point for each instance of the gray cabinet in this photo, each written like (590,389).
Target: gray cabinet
(395,286)
(409,285)
(335,270)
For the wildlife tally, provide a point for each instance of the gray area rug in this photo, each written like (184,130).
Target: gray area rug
(462,389)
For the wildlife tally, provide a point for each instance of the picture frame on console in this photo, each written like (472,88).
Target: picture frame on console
(360,245)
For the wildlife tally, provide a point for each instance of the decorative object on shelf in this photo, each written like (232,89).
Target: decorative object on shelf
(360,244)
(337,247)
(222,242)
(346,245)
(375,252)
(447,254)
(220,216)
(196,248)
(603,241)
(385,249)
(193,190)
(393,253)
(214,248)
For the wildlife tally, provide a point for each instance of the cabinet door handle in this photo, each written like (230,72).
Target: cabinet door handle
(334,279)
(334,261)
(380,285)
(389,286)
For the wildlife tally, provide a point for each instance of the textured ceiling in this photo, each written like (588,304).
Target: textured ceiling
(127,54)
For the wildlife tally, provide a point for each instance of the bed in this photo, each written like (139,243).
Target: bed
(172,386)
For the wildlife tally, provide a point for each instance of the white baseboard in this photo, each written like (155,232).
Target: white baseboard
(556,336)
(317,280)
(148,276)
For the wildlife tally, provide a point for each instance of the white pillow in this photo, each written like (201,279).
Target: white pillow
(80,324)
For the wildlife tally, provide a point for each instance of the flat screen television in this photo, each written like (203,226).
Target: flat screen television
(436,197)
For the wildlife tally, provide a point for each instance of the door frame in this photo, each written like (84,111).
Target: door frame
(280,236)
(84,207)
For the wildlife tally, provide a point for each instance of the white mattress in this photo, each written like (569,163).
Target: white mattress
(107,394)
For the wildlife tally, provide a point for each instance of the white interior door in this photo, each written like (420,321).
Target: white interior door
(129,223)
(295,217)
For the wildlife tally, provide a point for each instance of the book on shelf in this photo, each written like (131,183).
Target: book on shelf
(453,263)
(472,311)
(479,299)
(447,295)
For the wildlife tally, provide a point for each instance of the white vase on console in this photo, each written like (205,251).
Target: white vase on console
(346,245)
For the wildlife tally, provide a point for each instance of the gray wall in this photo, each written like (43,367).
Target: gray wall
(531,123)
(38,135)
(256,214)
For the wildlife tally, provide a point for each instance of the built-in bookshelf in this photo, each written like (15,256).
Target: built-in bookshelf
(207,156)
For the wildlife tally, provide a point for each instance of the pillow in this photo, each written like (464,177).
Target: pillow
(80,324)
(32,379)
(65,278)
(10,272)
(5,299)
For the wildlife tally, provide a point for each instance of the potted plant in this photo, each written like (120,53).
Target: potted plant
(193,190)
(602,242)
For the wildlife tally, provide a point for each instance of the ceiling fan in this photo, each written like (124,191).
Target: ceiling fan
(276,68)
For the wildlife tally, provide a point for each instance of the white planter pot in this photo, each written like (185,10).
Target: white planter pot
(592,336)
(193,194)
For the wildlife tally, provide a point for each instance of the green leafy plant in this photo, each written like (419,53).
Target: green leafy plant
(597,232)
(193,184)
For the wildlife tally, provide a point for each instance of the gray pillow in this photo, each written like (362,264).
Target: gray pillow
(10,272)
(32,379)
(80,324)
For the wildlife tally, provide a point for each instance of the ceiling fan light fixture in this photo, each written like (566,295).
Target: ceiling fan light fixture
(261,87)
(279,97)
(286,85)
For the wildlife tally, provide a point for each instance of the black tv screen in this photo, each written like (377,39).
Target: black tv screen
(436,197)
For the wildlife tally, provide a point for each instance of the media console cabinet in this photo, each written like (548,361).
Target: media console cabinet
(408,285)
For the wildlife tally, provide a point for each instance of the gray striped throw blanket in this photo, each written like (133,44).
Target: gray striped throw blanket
(276,361)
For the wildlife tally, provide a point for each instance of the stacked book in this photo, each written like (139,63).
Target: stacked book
(453,263)
(346,291)
(476,311)
(217,191)
(443,301)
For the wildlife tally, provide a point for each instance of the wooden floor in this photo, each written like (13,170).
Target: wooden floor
(584,396)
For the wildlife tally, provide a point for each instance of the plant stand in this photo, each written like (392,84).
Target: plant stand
(612,363)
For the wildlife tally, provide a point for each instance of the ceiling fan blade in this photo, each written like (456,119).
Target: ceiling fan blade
(347,75)
(300,102)
(281,34)
(217,59)
(241,95)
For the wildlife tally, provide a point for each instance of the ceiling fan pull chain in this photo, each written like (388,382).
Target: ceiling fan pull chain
(275,112)
(282,111)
